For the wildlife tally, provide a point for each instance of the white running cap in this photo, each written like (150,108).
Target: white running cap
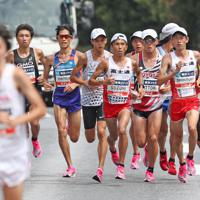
(149,32)
(117,36)
(137,34)
(167,30)
(180,30)
(96,32)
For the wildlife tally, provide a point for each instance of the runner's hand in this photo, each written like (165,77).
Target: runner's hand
(4,117)
(40,79)
(165,88)
(109,81)
(47,86)
(70,87)
(179,65)
(140,92)
(198,82)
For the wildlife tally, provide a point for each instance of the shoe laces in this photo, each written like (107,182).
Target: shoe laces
(135,157)
(191,163)
(36,144)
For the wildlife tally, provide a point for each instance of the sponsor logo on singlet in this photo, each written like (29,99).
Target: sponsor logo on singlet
(118,93)
(28,68)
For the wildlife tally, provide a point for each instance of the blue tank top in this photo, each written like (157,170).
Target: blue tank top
(62,73)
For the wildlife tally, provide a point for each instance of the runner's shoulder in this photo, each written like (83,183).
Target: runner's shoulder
(196,54)
(10,56)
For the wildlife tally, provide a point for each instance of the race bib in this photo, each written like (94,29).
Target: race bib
(151,88)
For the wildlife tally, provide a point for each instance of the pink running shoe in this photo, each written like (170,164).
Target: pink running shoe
(37,150)
(99,176)
(135,161)
(120,172)
(191,170)
(115,158)
(149,177)
(70,172)
(146,157)
(182,174)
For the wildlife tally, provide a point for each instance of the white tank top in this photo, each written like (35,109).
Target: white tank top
(183,83)
(119,92)
(91,96)
(13,142)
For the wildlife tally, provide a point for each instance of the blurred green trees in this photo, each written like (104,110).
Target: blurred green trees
(128,16)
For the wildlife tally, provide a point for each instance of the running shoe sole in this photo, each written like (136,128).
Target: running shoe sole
(96,178)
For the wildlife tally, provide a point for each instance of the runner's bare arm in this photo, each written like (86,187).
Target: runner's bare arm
(40,58)
(163,76)
(138,73)
(197,56)
(82,62)
(24,85)
(10,57)
(47,66)
(101,68)
(71,86)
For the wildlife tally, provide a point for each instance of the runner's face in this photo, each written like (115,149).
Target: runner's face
(137,44)
(119,47)
(179,41)
(24,38)
(99,43)
(64,39)
(150,44)
(3,49)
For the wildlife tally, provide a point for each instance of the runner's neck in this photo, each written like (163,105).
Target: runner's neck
(150,55)
(65,51)
(23,51)
(2,66)
(97,54)
(182,53)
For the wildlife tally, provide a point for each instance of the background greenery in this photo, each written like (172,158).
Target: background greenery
(128,16)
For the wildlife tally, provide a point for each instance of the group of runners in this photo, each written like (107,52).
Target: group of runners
(159,78)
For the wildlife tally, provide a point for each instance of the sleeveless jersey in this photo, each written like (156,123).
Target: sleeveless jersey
(184,82)
(152,98)
(29,66)
(62,73)
(119,92)
(13,141)
(90,96)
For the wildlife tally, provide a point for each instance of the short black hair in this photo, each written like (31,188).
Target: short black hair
(25,27)
(164,41)
(6,36)
(64,27)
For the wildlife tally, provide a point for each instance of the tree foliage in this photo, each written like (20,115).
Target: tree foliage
(129,16)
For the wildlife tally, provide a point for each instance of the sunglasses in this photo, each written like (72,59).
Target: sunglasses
(149,40)
(65,36)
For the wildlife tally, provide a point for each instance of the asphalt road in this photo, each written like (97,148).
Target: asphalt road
(46,182)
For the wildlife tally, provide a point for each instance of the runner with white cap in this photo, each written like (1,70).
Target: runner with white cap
(118,71)
(92,97)
(148,113)
(181,65)
(165,46)
(137,45)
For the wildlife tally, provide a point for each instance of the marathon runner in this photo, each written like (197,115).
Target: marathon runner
(118,70)
(66,97)
(92,97)
(14,85)
(137,45)
(148,113)
(28,58)
(181,65)
(165,46)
